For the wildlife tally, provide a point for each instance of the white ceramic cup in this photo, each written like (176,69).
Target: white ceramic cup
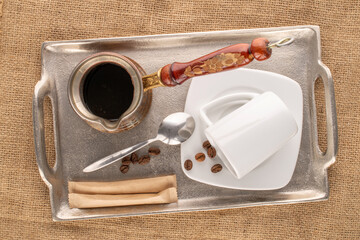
(250,134)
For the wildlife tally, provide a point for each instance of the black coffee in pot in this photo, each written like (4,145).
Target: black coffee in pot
(108,91)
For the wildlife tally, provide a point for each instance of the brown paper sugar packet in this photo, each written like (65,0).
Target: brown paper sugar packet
(144,185)
(77,200)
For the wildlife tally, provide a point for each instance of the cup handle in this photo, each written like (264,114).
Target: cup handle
(205,118)
(222,101)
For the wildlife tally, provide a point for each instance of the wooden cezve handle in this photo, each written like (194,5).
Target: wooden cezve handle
(227,58)
(224,59)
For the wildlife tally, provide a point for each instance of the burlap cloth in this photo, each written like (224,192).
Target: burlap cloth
(25,206)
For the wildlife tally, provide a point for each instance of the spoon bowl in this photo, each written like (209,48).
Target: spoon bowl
(176,128)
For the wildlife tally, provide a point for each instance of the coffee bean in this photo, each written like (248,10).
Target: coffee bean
(216,168)
(211,152)
(126,161)
(153,151)
(144,160)
(206,144)
(124,168)
(134,158)
(188,164)
(200,157)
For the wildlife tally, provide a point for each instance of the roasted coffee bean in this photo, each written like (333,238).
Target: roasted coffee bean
(216,168)
(153,151)
(188,164)
(134,158)
(206,144)
(200,157)
(124,168)
(126,161)
(211,152)
(144,160)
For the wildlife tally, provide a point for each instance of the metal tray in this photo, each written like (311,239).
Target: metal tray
(77,144)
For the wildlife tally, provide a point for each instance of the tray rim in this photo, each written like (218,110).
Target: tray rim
(316,28)
(43,87)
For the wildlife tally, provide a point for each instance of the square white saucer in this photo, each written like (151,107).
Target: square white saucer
(276,171)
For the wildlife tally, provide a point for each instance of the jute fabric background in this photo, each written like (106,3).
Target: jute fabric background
(24,200)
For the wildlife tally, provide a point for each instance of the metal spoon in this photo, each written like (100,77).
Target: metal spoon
(174,129)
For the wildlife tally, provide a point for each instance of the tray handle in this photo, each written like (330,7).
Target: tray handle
(327,157)
(42,89)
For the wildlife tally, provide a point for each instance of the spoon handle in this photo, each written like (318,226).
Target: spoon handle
(116,156)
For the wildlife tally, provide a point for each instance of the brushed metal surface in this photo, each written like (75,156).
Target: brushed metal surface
(77,144)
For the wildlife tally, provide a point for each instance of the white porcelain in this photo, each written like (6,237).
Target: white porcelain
(250,134)
(222,106)
(277,170)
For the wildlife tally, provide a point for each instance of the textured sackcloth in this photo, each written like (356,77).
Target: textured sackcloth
(24,199)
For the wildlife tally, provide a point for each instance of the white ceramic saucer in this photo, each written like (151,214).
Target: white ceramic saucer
(276,171)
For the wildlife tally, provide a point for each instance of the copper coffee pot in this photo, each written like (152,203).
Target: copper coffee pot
(171,75)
